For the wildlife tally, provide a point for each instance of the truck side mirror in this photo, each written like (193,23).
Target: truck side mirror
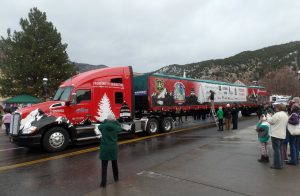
(74,99)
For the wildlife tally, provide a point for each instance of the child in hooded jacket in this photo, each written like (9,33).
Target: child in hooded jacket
(262,129)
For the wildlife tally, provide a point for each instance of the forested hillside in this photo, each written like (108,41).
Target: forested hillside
(261,65)
(83,67)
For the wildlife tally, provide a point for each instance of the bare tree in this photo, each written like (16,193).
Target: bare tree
(282,81)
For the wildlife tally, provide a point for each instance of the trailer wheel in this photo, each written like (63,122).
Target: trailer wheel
(56,139)
(167,125)
(132,130)
(152,126)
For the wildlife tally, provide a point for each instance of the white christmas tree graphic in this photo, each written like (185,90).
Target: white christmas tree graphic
(104,108)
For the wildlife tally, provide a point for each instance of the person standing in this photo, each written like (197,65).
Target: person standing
(185,114)
(212,98)
(125,114)
(235,116)
(6,120)
(220,118)
(262,129)
(180,115)
(227,117)
(109,147)
(293,138)
(278,123)
(259,111)
(267,109)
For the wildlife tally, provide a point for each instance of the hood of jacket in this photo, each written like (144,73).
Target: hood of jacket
(109,125)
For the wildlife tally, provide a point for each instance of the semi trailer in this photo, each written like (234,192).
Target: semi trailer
(82,102)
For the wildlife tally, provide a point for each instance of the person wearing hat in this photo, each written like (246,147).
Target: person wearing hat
(109,147)
(227,116)
(262,129)
(278,123)
(125,114)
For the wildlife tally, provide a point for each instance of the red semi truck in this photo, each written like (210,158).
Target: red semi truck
(82,102)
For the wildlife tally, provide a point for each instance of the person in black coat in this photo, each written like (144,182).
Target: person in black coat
(235,115)
(227,116)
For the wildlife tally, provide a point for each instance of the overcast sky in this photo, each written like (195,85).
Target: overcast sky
(149,34)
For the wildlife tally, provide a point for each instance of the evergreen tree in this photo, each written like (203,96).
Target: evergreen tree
(30,55)
(104,108)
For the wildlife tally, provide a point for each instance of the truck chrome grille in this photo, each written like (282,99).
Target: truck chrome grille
(15,124)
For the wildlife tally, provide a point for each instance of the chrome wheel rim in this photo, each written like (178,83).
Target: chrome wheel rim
(153,127)
(167,125)
(56,140)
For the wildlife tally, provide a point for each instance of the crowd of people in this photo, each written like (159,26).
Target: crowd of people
(280,125)
(227,116)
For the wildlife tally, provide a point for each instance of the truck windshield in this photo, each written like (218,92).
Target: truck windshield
(63,94)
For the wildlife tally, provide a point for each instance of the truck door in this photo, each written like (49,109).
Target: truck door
(80,113)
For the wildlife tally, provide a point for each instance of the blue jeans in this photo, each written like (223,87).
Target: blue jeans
(294,148)
(7,125)
(277,148)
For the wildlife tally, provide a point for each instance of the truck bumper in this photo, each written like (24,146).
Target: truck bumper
(27,141)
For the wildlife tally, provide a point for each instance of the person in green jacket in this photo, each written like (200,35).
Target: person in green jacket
(262,129)
(220,115)
(109,147)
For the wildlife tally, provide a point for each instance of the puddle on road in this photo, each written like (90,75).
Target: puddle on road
(151,174)
(196,136)
(231,138)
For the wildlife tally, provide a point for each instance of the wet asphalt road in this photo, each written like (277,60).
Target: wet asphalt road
(80,174)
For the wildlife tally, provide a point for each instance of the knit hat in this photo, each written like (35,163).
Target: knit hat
(295,108)
(296,100)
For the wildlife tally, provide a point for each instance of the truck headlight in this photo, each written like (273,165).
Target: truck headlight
(29,130)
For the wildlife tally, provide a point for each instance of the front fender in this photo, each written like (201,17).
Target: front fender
(51,121)
(41,121)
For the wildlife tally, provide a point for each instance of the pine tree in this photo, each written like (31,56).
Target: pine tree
(30,55)
(104,108)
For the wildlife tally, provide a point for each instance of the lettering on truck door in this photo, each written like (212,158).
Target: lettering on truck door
(80,113)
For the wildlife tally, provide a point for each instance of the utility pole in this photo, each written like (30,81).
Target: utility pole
(296,60)
(45,83)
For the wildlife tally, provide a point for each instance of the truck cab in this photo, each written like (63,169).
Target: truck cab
(79,105)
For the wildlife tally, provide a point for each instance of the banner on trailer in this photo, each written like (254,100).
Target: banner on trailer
(223,93)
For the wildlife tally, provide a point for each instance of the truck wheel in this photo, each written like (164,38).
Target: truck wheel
(167,125)
(152,126)
(56,139)
(132,130)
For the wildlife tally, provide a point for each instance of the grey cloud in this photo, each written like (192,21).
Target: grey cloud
(151,34)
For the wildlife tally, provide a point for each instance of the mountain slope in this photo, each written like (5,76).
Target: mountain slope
(83,67)
(246,66)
